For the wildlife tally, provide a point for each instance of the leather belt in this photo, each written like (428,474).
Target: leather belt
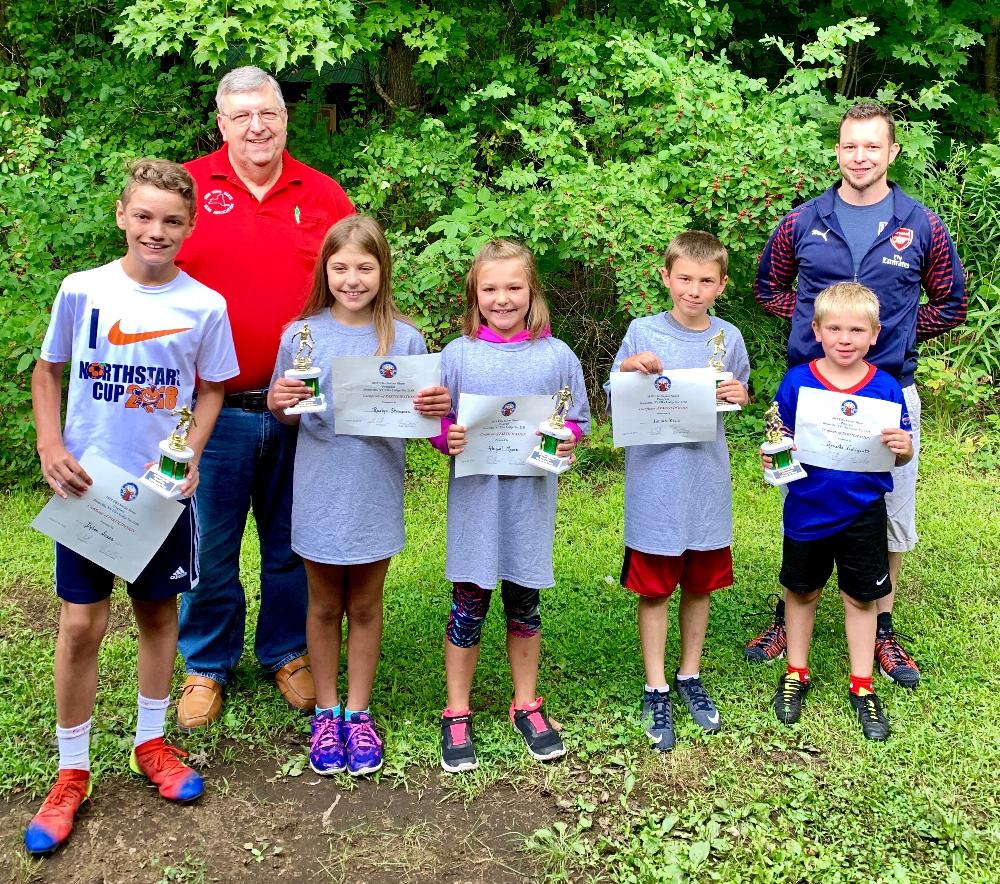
(248,400)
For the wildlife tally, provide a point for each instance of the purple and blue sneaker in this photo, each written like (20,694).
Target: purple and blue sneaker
(363,744)
(326,745)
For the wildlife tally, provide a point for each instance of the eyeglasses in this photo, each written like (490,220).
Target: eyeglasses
(243,118)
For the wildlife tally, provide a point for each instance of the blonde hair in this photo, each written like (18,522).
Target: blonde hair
(164,175)
(367,235)
(537,318)
(697,245)
(851,298)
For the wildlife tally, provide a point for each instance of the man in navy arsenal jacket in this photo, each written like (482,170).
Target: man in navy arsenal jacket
(866,229)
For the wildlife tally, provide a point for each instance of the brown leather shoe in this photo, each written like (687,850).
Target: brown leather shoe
(295,681)
(200,702)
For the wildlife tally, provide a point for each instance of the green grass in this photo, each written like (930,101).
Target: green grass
(758,802)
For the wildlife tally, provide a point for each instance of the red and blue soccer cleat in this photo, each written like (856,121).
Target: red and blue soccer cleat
(51,826)
(162,766)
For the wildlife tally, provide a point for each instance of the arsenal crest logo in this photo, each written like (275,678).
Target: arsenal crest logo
(901,238)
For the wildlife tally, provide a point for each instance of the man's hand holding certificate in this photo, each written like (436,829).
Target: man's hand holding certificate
(652,405)
(117,522)
(843,431)
(374,395)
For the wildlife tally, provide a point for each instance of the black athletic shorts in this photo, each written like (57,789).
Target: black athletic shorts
(860,552)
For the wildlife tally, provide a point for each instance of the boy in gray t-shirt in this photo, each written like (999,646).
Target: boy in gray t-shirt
(678,497)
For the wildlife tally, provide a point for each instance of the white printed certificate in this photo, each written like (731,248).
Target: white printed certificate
(676,405)
(118,523)
(373,395)
(500,434)
(843,431)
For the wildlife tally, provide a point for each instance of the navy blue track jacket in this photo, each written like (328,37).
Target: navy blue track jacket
(914,251)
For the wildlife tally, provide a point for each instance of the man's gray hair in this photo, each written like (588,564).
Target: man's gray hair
(246,79)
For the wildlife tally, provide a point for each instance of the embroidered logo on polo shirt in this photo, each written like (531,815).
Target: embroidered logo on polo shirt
(218,202)
(901,238)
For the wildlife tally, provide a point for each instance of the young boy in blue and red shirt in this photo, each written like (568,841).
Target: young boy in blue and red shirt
(136,332)
(836,516)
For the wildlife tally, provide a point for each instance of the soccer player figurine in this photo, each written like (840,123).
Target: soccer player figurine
(305,371)
(553,431)
(716,362)
(778,447)
(175,455)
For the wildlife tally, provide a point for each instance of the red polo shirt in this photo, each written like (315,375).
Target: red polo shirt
(259,254)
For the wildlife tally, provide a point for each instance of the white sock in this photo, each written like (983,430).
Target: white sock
(152,715)
(660,690)
(687,677)
(74,746)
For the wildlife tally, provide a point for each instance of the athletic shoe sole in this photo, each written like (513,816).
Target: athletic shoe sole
(365,770)
(538,756)
(329,772)
(459,768)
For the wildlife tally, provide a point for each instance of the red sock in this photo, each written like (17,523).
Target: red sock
(857,683)
(803,672)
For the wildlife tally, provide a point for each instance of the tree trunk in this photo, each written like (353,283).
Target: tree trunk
(991,82)
(849,75)
(399,84)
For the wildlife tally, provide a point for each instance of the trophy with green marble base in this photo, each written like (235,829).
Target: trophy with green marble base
(304,370)
(784,467)
(553,431)
(715,362)
(168,475)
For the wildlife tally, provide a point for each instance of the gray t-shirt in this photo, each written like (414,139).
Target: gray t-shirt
(861,224)
(679,496)
(347,503)
(502,527)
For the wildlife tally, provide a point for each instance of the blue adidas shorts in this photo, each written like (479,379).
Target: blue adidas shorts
(172,570)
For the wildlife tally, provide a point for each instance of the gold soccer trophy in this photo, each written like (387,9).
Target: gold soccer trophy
(304,370)
(167,476)
(784,467)
(553,432)
(715,362)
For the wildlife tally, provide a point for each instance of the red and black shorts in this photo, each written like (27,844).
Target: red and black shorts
(700,571)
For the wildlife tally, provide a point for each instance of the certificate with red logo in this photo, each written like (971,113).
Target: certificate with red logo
(500,433)
(676,405)
(117,523)
(842,431)
(373,395)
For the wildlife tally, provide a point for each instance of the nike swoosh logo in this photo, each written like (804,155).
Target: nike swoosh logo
(880,582)
(713,719)
(117,336)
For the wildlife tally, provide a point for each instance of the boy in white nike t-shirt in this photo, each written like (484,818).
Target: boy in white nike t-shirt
(135,333)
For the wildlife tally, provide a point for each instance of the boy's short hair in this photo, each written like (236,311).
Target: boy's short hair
(869,110)
(162,174)
(847,297)
(697,245)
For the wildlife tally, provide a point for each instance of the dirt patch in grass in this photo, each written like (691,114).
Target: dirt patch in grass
(251,827)
(24,606)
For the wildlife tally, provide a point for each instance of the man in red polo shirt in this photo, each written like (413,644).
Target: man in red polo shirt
(262,216)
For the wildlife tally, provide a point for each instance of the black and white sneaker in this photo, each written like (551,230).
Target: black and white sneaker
(458,751)
(868,708)
(699,704)
(658,719)
(542,740)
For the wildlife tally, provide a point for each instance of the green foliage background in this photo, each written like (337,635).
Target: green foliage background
(592,131)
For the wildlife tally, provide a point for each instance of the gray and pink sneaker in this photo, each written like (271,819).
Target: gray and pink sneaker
(540,737)
(458,751)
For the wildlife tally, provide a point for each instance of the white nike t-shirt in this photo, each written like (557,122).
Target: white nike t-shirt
(133,354)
